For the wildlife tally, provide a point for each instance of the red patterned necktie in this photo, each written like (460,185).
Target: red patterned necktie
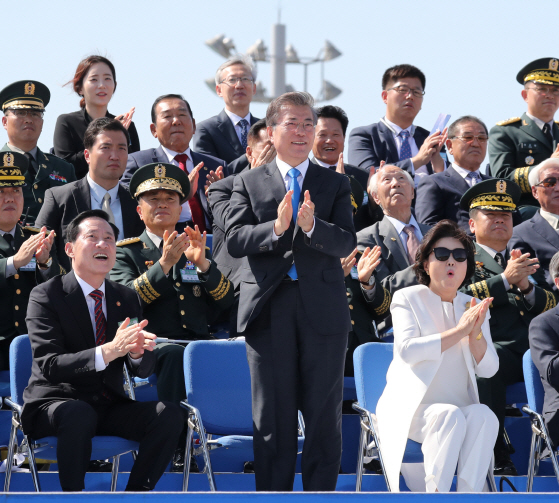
(100,321)
(196,209)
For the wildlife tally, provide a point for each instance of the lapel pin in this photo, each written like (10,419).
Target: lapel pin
(149,263)
(118,303)
(393,239)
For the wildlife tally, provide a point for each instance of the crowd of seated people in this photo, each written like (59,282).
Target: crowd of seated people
(430,227)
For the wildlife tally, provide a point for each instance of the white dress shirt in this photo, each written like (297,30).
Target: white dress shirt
(541,123)
(87,289)
(464,173)
(284,169)
(416,173)
(551,218)
(186,214)
(235,119)
(97,193)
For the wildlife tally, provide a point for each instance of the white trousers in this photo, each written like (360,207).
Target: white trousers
(454,439)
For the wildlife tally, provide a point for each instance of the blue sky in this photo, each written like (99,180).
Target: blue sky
(470,51)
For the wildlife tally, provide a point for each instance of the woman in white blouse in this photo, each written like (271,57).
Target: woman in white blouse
(441,341)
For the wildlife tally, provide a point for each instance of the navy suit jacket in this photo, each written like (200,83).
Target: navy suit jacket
(143,157)
(438,197)
(217,137)
(257,194)
(368,145)
(544,345)
(539,239)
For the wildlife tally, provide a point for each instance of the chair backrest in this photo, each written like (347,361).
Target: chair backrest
(217,380)
(21,359)
(370,365)
(533,382)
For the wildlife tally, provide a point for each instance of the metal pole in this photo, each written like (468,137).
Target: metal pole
(277,60)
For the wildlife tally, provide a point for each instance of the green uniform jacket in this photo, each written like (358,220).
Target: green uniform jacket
(510,313)
(15,290)
(175,309)
(53,172)
(515,147)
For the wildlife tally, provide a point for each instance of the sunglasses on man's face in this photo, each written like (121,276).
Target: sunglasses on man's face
(547,183)
(443,254)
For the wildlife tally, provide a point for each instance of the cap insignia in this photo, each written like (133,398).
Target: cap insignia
(30,88)
(160,171)
(8,160)
(502,187)
(553,64)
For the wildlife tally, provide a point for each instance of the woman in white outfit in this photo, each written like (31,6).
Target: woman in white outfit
(441,341)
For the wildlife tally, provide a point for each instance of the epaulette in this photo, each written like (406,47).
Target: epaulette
(556,122)
(128,241)
(508,121)
(34,229)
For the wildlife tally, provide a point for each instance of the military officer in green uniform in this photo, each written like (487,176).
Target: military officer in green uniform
(516,300)
(180,286)
(517,145)
(26,254)
(23,104)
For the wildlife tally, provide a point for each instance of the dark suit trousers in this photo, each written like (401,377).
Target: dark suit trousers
(493,391)
(155,425)
(293,367)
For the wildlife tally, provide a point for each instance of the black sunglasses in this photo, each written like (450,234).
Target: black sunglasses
(547,183)
(443,254)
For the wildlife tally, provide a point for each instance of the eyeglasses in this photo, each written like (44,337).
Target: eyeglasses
(233,81)
(443,254)
(547,183)
(468,138)
(294,126)
(405,90)
(20,113)
(553,91)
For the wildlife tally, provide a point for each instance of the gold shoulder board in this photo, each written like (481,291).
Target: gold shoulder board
(128,241)
(508,121)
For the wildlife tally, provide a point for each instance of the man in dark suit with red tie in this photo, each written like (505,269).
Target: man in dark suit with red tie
(83,328)
(173,125)
(395,139)
(291,221)
(225,135)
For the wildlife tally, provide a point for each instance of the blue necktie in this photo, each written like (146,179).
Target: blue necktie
(474,177)
(294,186)
(405,149)
(244,132)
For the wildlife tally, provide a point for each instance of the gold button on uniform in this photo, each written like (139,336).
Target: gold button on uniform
(16,324)
(352,322)
(16,308)
(348,294)
(18,291)
(184,326)
(35,186)
(39,200)
(521,313)
(350,306)
(517,297)
(181,297)
(182,312)
(178,284)
(16,276)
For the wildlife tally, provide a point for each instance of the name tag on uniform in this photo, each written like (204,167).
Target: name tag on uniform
(354,274)
(29,267)
(189,274)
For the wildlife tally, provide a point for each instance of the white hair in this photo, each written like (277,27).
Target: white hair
(237,59)
(534,176)
(373,183)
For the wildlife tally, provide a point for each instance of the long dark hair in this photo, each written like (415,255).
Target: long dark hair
(81,71)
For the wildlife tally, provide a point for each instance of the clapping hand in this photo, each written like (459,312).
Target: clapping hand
(174,246)
(285,214)
(368,262)
(196,251)
(340,166)
(193,179)
(126,119)
(348,262)
(305,218)
(212,177)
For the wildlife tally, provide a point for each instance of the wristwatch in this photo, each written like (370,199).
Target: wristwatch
(528,290)
(46,265)
(371,281)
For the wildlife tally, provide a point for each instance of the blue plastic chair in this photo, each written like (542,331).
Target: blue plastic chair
(535,393)
(370,364)
(103,447)
(217,380)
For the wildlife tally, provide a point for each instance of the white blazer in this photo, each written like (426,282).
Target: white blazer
(417,317)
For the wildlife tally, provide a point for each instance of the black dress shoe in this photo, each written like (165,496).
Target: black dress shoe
(99,466)
(177,464)
(505,468)
(248,467)
(373,466)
